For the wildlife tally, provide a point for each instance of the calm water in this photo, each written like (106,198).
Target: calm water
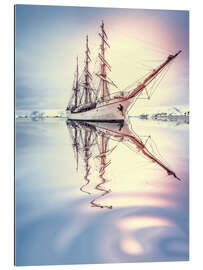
(91,194)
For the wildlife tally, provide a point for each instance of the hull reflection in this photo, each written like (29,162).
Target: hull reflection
(91,142)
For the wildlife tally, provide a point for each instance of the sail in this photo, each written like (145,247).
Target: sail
(87,93)
(103,88)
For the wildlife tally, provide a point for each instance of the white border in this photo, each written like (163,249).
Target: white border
(6,147)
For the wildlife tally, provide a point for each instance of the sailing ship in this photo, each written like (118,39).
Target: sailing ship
(91,141)
(98,104)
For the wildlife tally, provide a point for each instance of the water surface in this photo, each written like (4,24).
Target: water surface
(89,195)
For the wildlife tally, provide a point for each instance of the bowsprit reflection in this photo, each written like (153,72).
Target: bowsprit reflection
(91,141)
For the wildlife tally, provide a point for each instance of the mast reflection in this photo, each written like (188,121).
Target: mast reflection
(91,141)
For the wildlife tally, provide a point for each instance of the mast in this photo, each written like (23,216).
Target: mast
(87,74)
(73,102)
(103,165)
(103,63)
(149,155)
(141,146)
(74,136)
(76,85)
(86,159)
(151,77)
(76,145)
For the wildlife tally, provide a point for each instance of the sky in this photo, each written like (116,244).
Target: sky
(49,38)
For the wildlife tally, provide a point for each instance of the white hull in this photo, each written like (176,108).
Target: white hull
(106,111)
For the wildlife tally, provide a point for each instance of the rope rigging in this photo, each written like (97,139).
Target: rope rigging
(92,87)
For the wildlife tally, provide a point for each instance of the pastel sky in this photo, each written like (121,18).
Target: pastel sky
(48,39)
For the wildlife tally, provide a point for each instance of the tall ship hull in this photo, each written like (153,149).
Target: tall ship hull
(106,111)
(90,103)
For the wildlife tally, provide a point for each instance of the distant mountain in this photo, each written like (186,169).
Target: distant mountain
(172,110)
(40,113)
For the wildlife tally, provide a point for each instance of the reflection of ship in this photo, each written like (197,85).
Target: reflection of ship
(91,141)
(85,142)
(91,103)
